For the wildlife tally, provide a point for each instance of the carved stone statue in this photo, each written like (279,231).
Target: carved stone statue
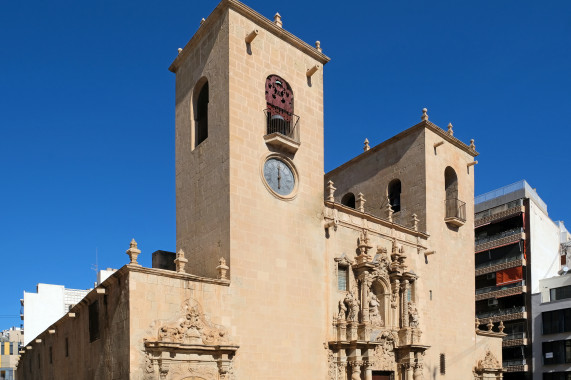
(412,314)
(352,303)
(342,311)
(374,307)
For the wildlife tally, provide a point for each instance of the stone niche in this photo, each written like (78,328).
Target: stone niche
(189,347)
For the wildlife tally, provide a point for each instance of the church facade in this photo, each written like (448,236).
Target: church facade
(282,272)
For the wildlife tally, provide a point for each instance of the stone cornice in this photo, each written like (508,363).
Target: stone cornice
(254,17)
(373,219)
(415,128)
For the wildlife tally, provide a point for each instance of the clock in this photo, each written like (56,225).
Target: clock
(280,177)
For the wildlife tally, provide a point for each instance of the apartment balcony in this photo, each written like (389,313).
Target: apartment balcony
(501,264)
(455,212)
(515,339)
(505,214)
(517,365)
(282,130)
(510,314)
(505,238)
(500,291)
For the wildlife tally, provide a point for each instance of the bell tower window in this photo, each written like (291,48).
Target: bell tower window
(348,200)
(280,119)
(201,113)
(455,208)
(394,191)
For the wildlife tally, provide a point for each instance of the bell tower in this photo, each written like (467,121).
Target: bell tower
(249,183)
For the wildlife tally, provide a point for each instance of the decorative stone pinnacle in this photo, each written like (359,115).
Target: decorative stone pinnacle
(222,269)
(424,114)
(180,261)
(133,252)
(278,20)
(366,146)
(179,50)
(472,145)
(360,202)
(202,21)
(490,324)
(389,210)
(318,46)
(477,324)
(330,191)
(501,327)
(415,221)
(450,131)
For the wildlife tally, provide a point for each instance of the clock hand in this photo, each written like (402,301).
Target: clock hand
(279,178)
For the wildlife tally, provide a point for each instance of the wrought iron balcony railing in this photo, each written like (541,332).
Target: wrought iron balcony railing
(499,261)
(455,211)
(282,122)
(513,231)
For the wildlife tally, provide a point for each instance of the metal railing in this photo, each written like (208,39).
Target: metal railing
(513,362)
(513,231)
(499,312)
(499,261)
(282,122)
(489,289)
(512,336)
(455,208)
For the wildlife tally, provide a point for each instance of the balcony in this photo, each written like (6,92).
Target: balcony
(510,314)
(504,214)
(515,365)
(455,212)
(515,339)
(500,264)
(500,291)
(282,130)
(498,240)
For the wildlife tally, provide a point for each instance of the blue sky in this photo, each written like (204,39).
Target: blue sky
(87,111)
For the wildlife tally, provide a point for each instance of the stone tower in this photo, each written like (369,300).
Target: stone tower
(249,183)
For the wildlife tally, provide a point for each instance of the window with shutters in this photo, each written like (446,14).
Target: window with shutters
(342,273)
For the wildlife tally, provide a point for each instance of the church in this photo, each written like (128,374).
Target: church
(282,272)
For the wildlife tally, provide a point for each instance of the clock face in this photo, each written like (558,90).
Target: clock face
(279,176)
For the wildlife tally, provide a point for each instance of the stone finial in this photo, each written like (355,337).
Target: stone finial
(180,261)
(330,191)
(278,20)
(222,269)
(424,115)
(133,252)
(477,324)
(415,221)
(450,131)
(490,325)
(389,210)
(202,21)
(360,202)
(472,145)
(318,46)
(179,50)
(366,146)
(501,327)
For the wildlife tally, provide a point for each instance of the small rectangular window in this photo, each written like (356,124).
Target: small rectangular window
(94,321)
(442,364)
(342,278)
(66,347)
(51,359)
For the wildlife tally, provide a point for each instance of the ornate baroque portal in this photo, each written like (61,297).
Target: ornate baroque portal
(189,348)
(377,326)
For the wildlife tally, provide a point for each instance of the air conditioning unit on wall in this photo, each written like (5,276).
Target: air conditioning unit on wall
(493,302)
